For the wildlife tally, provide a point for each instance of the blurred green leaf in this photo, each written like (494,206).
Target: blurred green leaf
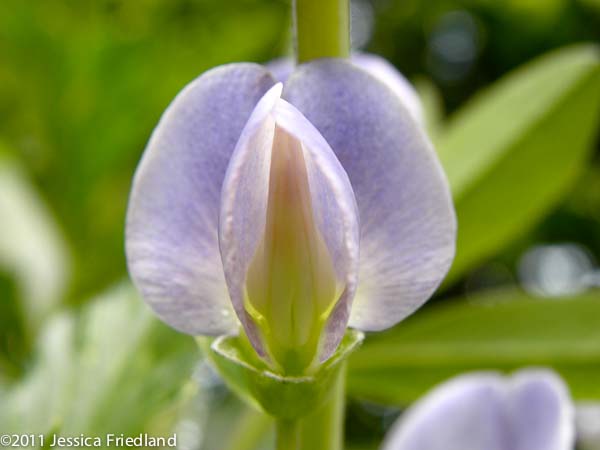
(513,151)
(536,8)
(35,264)
(14,337)
(111,369)
(32,248)
(82,84)
(592,4)
(433,106)
(500,331)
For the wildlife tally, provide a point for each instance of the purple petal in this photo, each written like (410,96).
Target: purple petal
(244,208)
(408,224)
(381,69)
(377,66)
(463,414)
(281,68)
(172,220)
(542,416)
(530,411)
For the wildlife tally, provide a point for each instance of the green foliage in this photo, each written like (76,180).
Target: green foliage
(82,84)
(34,264)
(31,245)
(492,331)
(433,107)
(514,150)
(14,337)
(110,369)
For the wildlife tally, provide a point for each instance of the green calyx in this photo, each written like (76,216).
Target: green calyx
(283,397)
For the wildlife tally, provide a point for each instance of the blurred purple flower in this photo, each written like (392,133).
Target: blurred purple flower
(531,410)
(246,206)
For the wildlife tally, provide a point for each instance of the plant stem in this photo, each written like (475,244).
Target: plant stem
(321,430)
(322,29)
(288,434)
(249,430)
(324,429)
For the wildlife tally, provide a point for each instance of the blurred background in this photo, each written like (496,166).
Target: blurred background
(511,91)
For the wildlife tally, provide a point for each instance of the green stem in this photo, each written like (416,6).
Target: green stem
(321,430)
(288,435)
(322,29)
(324,429)
(249,430)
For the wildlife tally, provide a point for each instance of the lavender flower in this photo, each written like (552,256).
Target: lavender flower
(485,411)
(253,199)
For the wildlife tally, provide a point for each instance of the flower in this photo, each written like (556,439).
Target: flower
(529,411)
(253,199)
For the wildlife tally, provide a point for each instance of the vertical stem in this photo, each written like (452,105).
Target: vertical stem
(324,429)
(321,430)
(288,436)
(248,431)
(322,29)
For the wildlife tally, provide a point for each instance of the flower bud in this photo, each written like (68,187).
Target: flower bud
(291,285)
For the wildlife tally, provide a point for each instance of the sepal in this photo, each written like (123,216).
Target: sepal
(283,397)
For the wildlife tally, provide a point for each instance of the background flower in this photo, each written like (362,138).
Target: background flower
(529,411)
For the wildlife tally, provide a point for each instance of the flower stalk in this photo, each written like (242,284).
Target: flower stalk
(321,430)
(288,436)
(322,29)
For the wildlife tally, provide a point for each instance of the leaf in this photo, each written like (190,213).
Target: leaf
(512,152)
(14,338)
(32,249)
(80,100)
(501,331)
(112,369)
(433,106)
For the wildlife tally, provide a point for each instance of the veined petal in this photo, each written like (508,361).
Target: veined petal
(288,235)
(408,224)
(377,66)
(381,69)
(529,411)
(172,219)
